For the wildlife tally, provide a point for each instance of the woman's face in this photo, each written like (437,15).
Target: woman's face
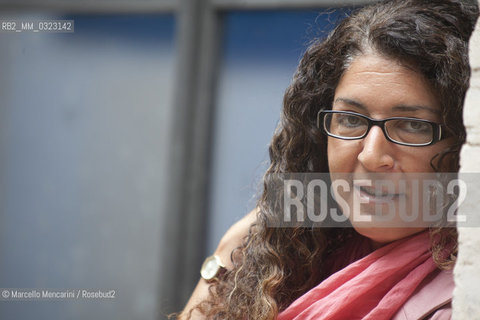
(381,88)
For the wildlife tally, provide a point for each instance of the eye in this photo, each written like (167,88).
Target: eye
(413,126)
(350,121)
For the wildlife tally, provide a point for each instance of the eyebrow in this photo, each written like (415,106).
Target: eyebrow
(400,107)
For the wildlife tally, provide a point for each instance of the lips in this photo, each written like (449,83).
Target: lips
(372,191)
(372,194)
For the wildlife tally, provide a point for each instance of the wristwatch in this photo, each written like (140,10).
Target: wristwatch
(212,267)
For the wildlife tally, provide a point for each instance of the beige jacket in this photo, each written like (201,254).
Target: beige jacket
(431,300)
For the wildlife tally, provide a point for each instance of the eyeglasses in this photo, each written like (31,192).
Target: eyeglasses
(348,125)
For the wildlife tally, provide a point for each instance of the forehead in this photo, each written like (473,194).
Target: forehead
(381,84)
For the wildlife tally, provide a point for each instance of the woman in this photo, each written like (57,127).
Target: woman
(400,58)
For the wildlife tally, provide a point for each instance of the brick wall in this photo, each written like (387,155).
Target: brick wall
(466,301)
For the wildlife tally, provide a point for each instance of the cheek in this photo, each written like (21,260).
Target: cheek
(331,156)
(342,155)
(419,159)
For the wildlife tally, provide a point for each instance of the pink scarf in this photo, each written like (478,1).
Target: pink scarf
(374,287)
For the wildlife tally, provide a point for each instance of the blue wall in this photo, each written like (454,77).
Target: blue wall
(84,123)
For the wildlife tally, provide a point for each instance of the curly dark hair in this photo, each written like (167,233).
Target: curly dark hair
(274,266)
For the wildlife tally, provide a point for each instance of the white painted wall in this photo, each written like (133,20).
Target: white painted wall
(466,301)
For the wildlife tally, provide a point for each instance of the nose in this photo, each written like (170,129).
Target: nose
(377,153)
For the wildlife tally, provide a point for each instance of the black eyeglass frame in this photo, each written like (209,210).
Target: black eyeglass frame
(437,128)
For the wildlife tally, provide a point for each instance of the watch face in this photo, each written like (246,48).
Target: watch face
(210,267)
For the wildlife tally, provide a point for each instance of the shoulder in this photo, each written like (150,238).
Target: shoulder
(234,237)
(431,300)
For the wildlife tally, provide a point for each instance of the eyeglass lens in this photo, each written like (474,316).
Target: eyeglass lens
(349,126)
